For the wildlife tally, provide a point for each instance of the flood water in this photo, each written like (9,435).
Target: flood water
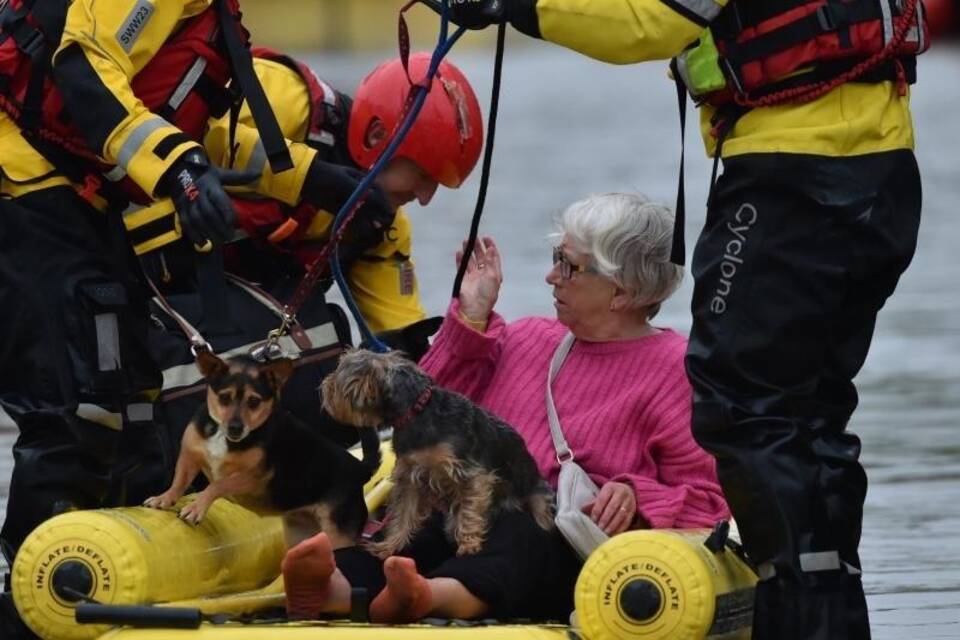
(570,126)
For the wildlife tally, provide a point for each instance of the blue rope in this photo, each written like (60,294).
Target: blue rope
(443,47)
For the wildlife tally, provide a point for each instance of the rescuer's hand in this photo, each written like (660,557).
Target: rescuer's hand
(328,186)
(203,206)
(478,14)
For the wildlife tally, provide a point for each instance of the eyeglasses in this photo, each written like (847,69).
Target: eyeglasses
(567,268)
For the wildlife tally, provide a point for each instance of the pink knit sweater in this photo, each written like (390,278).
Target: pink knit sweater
(624,407)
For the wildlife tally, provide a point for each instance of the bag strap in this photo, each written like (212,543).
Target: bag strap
(564,454)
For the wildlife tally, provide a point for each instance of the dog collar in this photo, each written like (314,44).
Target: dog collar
(417,407)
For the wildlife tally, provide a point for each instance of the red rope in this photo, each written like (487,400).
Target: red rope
(320,265)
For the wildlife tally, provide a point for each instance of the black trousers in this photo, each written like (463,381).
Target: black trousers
(75,374)
(522,571)
(796,259)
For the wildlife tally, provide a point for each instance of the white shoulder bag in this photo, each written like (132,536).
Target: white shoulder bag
(574,488)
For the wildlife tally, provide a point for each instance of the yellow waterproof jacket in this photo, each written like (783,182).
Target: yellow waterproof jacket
(852,119)
(382,280)
(104,46)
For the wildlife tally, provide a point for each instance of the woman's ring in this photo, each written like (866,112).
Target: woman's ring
(623,508)
(480,265)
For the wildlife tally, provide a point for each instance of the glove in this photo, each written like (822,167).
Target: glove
(203,206)
(477,14)
(412,341)
(328,186)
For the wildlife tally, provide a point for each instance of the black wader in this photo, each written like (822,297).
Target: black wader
(797,257)
(75,374)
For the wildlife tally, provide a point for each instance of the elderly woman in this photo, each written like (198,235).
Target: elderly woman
(622,398)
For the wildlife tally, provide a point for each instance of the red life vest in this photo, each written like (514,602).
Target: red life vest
(185,82)
(773,52)
(282,226)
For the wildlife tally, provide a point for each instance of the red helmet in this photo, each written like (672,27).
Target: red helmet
(446,138)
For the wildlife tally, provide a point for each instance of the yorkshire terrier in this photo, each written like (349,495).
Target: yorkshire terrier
(267,460)
(451,454)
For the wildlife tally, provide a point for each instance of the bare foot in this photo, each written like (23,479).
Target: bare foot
(406,598)
(307,569)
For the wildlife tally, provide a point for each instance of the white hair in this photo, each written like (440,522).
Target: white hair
(629,239)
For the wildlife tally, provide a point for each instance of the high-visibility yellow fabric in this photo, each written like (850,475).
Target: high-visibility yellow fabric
(250,154)
(291,104)
(853,119)
(288,95)
(22,169)
(383,280)
(95,28)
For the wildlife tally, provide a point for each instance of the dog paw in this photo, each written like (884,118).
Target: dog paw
(193,513)
(162,501)
(469,546)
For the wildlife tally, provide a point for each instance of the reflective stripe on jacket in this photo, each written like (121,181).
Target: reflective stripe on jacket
(104,48)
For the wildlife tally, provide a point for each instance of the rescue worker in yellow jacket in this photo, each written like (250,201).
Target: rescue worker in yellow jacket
(101,104)
(807,232)
(442,147)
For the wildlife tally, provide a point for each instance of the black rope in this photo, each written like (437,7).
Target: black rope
(678,249)
(487,157)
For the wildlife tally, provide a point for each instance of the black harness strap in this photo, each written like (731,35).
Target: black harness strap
(212,286)
(37,39)
(723,122)
(242,64)
(678,250)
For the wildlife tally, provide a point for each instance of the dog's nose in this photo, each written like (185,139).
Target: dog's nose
(234,430)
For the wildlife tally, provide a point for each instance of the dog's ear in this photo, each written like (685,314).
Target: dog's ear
(211,367)
(278,372)
(404,383)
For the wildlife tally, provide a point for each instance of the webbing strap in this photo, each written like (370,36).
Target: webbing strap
(242,63)
(678,250)
(212,286)
(36,36)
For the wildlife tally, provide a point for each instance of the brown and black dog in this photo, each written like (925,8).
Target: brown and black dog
(452,455)
(267,460)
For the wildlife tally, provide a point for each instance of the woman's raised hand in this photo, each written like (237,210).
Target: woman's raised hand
(482,280)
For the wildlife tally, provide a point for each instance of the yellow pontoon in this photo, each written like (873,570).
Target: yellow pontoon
(658,584)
